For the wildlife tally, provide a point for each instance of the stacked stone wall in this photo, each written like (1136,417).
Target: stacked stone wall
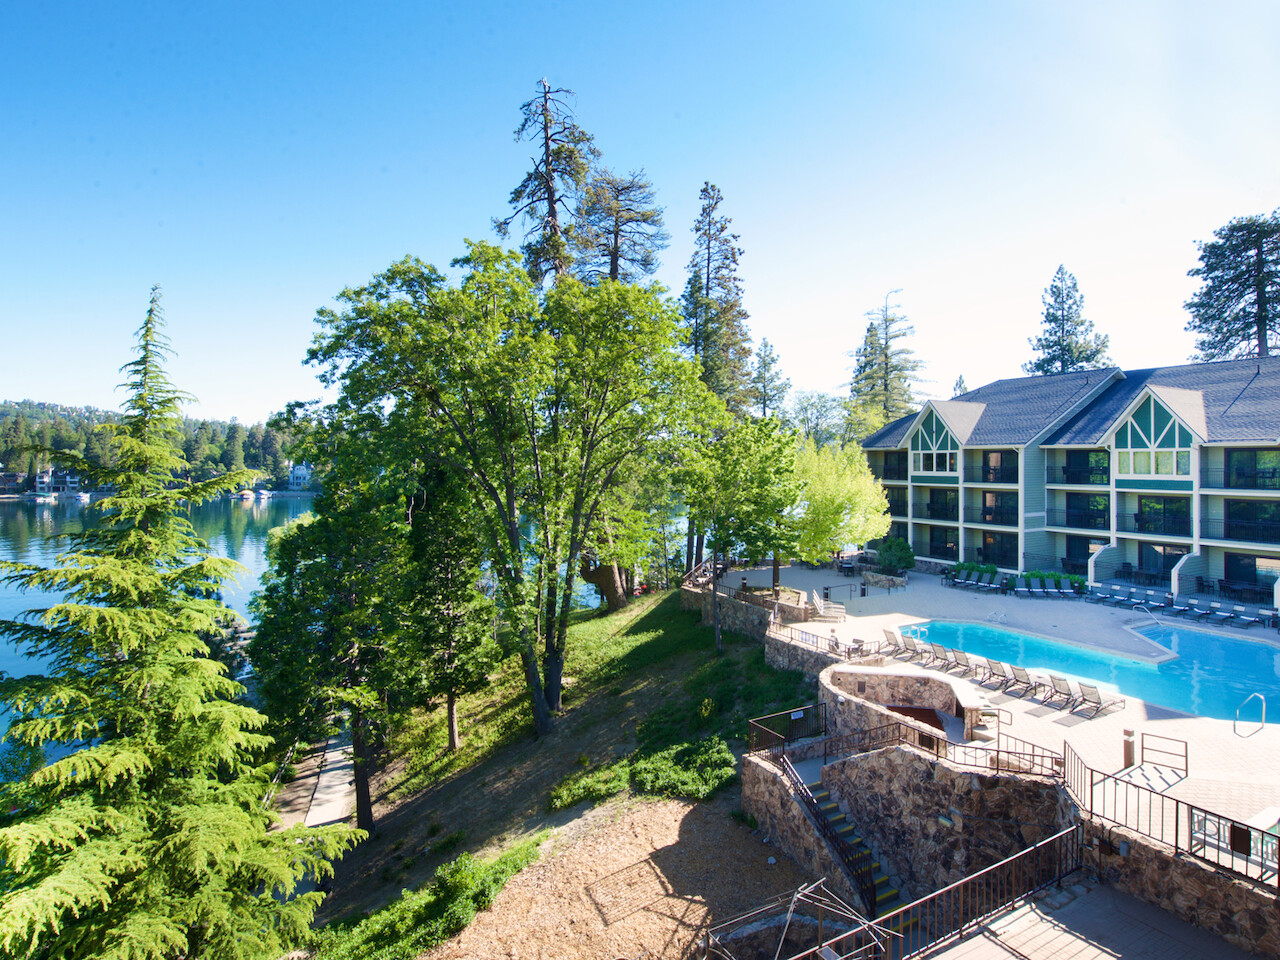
(933,823)
(768,796)
(884,581)
(1244,914)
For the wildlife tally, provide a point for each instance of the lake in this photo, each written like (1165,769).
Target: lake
(31,533)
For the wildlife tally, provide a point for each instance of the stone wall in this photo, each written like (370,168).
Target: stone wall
(885,581)
(849,683)
(932,823)
(1240,912)
(768,796)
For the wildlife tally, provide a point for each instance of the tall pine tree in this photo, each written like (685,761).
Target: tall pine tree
(619,228)
(145,837)
(1067,342)
(884,372)
(1237,311)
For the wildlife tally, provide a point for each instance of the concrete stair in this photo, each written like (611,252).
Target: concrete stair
(888,897)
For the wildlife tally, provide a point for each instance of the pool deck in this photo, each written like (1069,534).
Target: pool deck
(1234,775)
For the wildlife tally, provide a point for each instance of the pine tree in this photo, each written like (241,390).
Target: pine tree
(959,388)
(1068,341)
(145,836)
(620,228)
(884,372)
(768,387)
(1235,313)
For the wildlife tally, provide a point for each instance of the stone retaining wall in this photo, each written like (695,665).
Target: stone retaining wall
(1240,912)
(932,823)
(768,796)
(872,579)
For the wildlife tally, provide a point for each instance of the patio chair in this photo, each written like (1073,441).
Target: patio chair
(1199,612)
(1024,590)
(961,659)
(1061,690)
(1180,608)
(893,644)
(937,653)
(1037,591)
(1097,596)
(992,582)
(1242,615)
(1118,596)
(1022,679)
(1157,602)
(997,671)
(1269,616)
(1092,700)
(912,648)
(1218,615)
(1062,592)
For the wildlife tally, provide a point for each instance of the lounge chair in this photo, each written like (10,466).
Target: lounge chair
(1092,700)
(1180,608)
(1061,690)
(912,648)
(1242,615)
(1063,592)
(1200,613)
(997,671)
(1117,596)
(993,581)
(961,659)
(1218,615)
(1024,590)
(1037,591)
(937,653)
(1096,596)
(893,641)
(1022,679)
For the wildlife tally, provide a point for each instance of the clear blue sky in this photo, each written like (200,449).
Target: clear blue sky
(255,158)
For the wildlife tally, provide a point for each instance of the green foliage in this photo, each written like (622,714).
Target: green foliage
(1067,342)
(420,920)
(842,502)
(884,372)
(619,228)
(1234,313)
(694,771)
(595,784)
(894,555)
(146,838)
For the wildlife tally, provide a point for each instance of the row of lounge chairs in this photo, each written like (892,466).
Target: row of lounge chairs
(979,580)
(1005,677)
(1215,612)
(1041,587)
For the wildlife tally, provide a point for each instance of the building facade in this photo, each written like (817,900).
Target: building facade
(1168,477)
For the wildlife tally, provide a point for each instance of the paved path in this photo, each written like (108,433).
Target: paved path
(335,795)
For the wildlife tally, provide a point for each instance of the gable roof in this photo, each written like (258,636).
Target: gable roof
(1232,401)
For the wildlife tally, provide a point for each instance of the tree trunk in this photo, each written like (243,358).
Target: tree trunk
(702,542)
(606,578)
(552,673)
(1260,296)
(362,763)
(542,722)
(715,603)
(688,547)
(451,710)
(777,575)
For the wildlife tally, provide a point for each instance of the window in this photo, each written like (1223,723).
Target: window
(1151,443)
(934,449)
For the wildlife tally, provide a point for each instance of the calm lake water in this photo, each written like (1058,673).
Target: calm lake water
(31,533)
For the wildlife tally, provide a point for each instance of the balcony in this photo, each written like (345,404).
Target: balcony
(891,471)
(1155,524)
(897,507)
(937,511)
(1219,479)
(941,551)
(981,474)
(999,516)
(1252,531)
(1080,476)
(1078,519)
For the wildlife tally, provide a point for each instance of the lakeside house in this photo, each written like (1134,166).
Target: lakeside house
(1168,476)
(300,476)
(52,481)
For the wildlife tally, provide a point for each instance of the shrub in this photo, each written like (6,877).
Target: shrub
(895,556)
(599,783)
(691,770)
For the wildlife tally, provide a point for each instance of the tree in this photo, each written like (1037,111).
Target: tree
(885,371)
(768,387)
(620,228)
(1234,314)
(1067,342)
(712,304)
(817,415)
(959,388)
(549,190)
(841,500)
(146,837)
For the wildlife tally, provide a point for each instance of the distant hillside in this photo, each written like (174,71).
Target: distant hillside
(210,446)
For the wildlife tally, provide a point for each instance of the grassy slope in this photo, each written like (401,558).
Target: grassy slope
(639,681)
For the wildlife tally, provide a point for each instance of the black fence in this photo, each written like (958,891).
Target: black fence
(779,729)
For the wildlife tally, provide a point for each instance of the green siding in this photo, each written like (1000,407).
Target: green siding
(1143,483)
(935,480)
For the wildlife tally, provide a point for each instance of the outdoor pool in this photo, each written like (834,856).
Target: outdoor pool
(1211,675)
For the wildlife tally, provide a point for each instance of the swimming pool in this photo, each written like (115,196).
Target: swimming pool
(1210,676)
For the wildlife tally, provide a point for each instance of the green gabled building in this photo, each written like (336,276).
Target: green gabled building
(1169,476)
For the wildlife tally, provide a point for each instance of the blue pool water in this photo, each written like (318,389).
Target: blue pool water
(1211,675)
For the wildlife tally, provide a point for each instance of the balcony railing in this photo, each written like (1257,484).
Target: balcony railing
(991,475)
(1078,519)
(1160,526)
(1000,516)
(937,511)
(942,551)
(1254,531)
(897,508)
(890,472)
(1091,476)
(1219,479)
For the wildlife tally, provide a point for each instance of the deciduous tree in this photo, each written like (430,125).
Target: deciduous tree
(1067,341)
(145,836)
(1235,313)
(841,501)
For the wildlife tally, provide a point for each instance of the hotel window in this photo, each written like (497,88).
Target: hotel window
(933,448)
(1152,443)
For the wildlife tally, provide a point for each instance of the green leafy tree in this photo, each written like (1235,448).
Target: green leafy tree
(819,416)
(885,369)
(1234,314)
(842,502)
(619,228)
(1067,342)
(547,196)
(768,387)
(145,837)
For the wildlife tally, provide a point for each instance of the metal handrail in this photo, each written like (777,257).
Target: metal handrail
(1235,726)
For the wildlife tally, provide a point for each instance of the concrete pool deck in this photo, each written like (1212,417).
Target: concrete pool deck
(1234,775)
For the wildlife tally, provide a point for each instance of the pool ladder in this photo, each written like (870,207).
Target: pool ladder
(1235,727)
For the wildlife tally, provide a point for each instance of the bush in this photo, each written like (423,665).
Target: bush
(895,556)
(595,784)
(691,770)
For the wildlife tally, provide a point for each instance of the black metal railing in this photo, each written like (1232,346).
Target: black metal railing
(1078,519)
(1255,531)
(926,510)
(1220,479)
(958,908)
(897,506)
(941,551)
(1155,524)
(998,516)
(991,475)
(779,729)
(1224,842)
(888,472)
(1090,476)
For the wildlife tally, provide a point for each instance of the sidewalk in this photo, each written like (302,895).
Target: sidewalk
(335,794)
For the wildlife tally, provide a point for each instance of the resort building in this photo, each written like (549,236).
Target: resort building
(1168,477)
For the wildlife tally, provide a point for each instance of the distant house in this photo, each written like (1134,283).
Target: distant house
(300,477)
(12,482)
(57,481)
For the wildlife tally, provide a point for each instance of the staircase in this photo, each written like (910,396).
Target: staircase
(887,896)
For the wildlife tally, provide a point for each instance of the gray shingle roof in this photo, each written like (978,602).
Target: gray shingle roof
(1233,401)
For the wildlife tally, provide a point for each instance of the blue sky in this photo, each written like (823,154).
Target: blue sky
(254,159)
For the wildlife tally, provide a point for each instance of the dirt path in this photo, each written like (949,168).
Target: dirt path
(633,879)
